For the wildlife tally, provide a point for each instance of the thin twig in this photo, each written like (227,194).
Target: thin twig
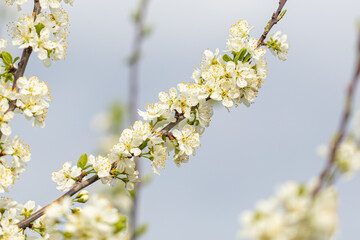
(343,123)
(274,20)
(133,96)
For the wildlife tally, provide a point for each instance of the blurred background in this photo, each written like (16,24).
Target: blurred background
(246,153)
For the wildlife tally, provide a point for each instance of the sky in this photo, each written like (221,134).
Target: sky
(246,153)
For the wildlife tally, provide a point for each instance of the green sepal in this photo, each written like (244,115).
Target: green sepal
(143,145)
(82,161)
(226,58)
(140,230)
(247,57)
(39,27)
(120,224)
(67,235)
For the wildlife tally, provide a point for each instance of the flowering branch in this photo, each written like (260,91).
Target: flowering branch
(339,136)
(233,78)
(276,17)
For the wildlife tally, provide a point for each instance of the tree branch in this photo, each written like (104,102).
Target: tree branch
(274,20)
(27,51)
(343,123)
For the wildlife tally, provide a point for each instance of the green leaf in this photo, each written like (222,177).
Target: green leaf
(144,144)
(282,14)
(7,58)
(247,57)
(15,60)
(243,52)
(239,55)
(226,58)
(82,161)
(39,27)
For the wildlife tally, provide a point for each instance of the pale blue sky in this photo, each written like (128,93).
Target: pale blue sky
(246,153)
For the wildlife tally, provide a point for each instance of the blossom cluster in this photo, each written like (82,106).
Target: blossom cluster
(97,220)
(176,122)
(293,214)
(13,212)
(31,98)
(278,45)
(45,34)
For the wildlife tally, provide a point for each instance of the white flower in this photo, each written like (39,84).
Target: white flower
(102,165)
(58,209)
(97,220)
(6,178)
(66,177)
(293,214)
(278,45)
(3,44)
(188,139)
(240,29)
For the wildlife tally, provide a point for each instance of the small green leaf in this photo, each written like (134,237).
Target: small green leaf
(82,161)
(243,52)
(39,27)
(226,58)
(7,58)
(282,14)
(237,56)
(15,60)
(144,144)
(247,57)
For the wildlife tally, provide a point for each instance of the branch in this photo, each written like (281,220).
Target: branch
(27,221)
(133,96)
(343,123)
(27,51)
(274,20)
(164,131)
(25,56)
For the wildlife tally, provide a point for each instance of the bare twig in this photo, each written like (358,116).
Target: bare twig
(133,94)
(274,20)
(343,123)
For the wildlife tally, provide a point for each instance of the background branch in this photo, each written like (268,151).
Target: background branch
(340,134)
(134,64)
